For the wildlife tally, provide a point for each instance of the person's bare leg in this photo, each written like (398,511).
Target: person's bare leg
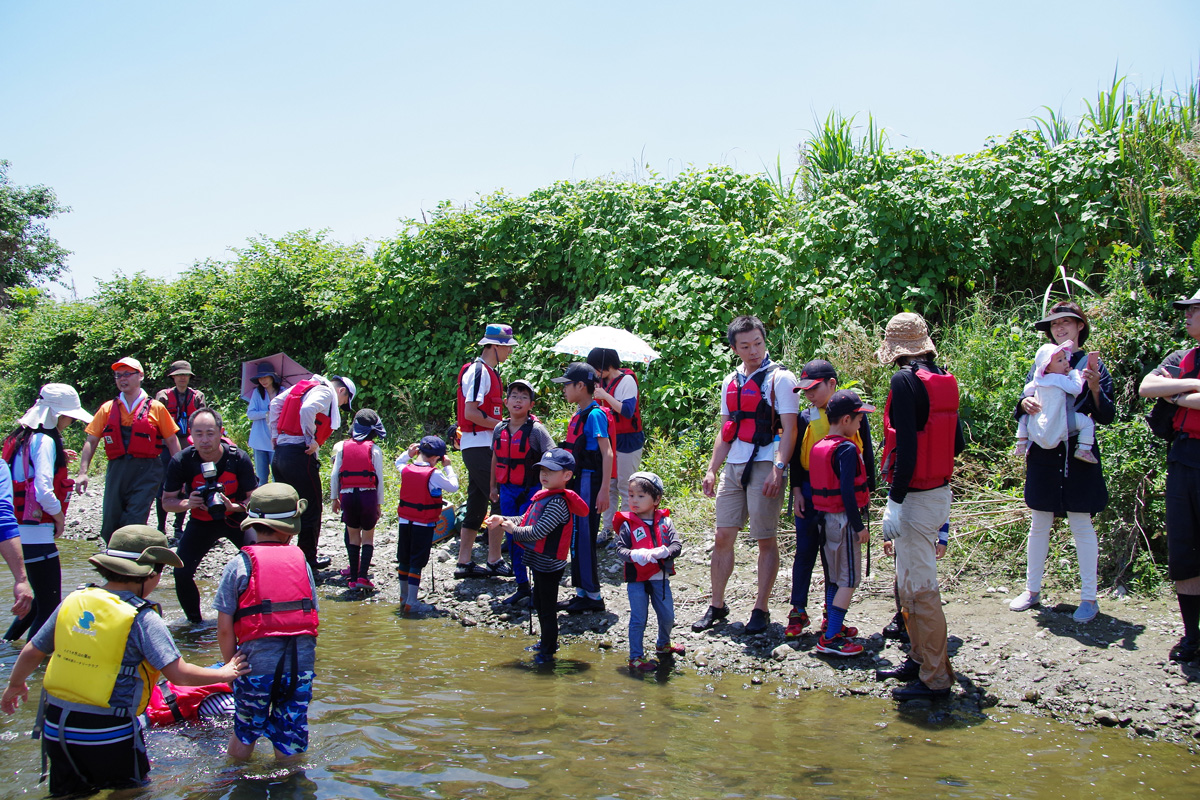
(239,751)
(466,543)
(768,569)
(721,566)
(283,759)
(495,538)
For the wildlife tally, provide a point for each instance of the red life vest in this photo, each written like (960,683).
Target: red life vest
(935,442)
(145,440)
(227,479)
(644,537)
(182,412)
(1187,420)
(278,600)
(751,418)
(491,406)
(358,471)
(826,486)
(289,415)
(576,442)
(24,489)
(627,424)
(170,703)
(515,460)
(558,544)
(418,502)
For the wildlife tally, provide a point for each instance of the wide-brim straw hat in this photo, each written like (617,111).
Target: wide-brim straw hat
(54,400)
(277,506)
(906,335)
(134,550)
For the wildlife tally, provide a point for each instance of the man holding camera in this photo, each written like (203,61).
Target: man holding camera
(218,478)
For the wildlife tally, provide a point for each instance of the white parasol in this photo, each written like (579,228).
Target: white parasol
(629,347)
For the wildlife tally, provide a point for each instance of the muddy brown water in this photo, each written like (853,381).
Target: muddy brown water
(427,709)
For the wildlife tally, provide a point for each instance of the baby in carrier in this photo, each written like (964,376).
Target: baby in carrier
(1053,382)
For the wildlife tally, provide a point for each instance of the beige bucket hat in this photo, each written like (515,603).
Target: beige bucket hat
(906,335)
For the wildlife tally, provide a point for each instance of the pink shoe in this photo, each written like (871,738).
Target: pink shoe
(365,584)
(345,572)
(1086,456)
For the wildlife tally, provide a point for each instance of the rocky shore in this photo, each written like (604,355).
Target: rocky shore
(1112,671)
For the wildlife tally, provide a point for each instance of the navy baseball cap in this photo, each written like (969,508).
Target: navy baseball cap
(557,459)
(576,372)
(432,446)
(845,402)
(814,372)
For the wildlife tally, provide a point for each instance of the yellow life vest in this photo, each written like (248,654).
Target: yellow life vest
(90,636)
(818,429)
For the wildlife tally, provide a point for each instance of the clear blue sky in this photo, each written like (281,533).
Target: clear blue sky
(177,130)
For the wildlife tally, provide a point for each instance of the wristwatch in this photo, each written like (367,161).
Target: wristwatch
(779,465)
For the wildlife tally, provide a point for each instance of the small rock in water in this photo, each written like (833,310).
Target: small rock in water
(1032,695)
(605,644)
(1107,717)
(468,622)
(756,680)
(880,724)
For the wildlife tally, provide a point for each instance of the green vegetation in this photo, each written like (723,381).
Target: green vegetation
(823,254)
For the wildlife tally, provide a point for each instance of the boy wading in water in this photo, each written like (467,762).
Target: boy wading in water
(545,533)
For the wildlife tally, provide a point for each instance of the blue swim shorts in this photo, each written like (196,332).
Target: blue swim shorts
(284,724)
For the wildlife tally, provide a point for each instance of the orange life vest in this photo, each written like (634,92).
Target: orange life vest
(418,501)
(515,460)
(358,471)
(751,418)
(492,404)
(645,537)
(558,544)
(25,502)
(935,442)
(826,486)
(627,424)
(143,437)
(289,415)
(278,600)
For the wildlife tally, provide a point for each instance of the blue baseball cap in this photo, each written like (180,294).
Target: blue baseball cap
(557,459)
(432,446)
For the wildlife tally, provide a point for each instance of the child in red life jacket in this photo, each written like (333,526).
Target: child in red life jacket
(545,534)
(355,486)
(267,610)
(425,476)
(517,446)
(588,440)
(841,494)
(648,544)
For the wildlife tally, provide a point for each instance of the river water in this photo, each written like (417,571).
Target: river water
(428,709)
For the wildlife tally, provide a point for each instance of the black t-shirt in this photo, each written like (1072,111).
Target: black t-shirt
(185,467)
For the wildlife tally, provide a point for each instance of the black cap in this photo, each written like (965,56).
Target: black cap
(813,373)
(557,459)
(432,446)
(845,401)
(576,372)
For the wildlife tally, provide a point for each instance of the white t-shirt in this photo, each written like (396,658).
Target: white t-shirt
(471,395)
(777,390)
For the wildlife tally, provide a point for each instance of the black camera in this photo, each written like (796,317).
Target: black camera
(210,491)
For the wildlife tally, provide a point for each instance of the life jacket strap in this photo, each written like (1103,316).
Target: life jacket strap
(269,607)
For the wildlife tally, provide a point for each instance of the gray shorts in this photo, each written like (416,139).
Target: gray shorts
(843,553)
(736,506)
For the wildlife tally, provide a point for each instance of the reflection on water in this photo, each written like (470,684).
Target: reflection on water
(428,709)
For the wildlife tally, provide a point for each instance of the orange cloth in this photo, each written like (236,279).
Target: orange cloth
(158,415)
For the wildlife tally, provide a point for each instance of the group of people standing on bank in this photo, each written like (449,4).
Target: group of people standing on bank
(558,504)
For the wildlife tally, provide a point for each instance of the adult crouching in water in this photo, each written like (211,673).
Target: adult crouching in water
(478,409)
(37,460)
(1177,380)
(134,430)
(181,401)
(301,419)
(215,511)
(922,435)
(1058,485)
(618,390)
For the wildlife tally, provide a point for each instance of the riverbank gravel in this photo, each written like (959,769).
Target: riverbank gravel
(1110,672)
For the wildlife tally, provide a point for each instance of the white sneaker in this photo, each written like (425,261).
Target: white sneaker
(1025,601)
